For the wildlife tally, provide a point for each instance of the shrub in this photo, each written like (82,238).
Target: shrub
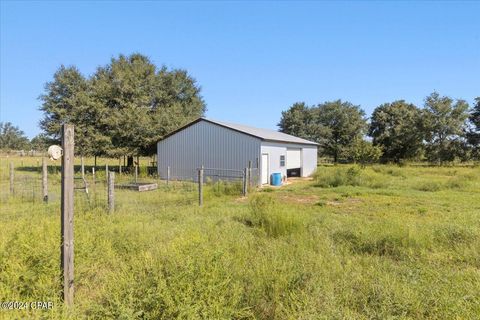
(268,215)
(430,186)
(340,177)
(453,235)
(143,171)
(221,188)
(456,183)
(351,176)
(393,243)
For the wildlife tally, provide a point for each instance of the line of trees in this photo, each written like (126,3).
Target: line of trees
(12,138)
(443,130)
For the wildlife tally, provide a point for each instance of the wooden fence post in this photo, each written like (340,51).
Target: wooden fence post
(200,186)
(106,173)
(94,185)
(136,173)
(120,169)
(111,191)
(249,173)
(44,180)
(244,181)
(12,190)
(67,213)
(82,167)
(168,175)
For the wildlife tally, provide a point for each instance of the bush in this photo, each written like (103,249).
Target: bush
(430,186)
(221,188)
(452,235)
(275,220)
(352,176)
(456,183)
(340,177)
(392,243)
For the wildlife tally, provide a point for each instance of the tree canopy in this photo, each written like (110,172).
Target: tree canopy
(335,125)
(473,133)
(123,108)
(12,138)
(396,127)
(444,124)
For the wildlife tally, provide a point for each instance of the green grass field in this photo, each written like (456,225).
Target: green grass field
(383,242)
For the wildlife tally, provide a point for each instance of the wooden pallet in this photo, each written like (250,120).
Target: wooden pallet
(139,186)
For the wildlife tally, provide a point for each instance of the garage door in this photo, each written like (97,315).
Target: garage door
(294,160)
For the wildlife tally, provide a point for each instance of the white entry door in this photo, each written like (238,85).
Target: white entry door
(265,172)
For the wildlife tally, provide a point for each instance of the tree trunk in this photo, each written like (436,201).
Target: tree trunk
(129,161)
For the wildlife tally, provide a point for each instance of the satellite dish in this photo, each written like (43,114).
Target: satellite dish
(55,152)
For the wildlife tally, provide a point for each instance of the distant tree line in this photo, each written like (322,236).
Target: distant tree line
(12,138)
(443,130)
(124,108)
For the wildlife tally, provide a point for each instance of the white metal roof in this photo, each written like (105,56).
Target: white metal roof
(264,134)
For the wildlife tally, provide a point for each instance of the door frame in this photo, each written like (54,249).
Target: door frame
(268,169)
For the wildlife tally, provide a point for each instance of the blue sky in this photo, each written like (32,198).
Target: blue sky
(252,59)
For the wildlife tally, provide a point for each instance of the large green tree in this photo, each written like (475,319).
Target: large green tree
(142,103)
(298,121)
(41,142)
(473,134)
(12,138)
(444,123)
(68,99)
(124,108)
(338,124)
(396,128)
(335,125)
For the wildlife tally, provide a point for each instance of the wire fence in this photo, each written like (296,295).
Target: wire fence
(91,188)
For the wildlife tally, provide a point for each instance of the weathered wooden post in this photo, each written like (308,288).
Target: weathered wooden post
(244,182)
(200,186)
(120,169)
(94,186)
(136,173)
(111,191)
(82,167)
(106,172)
(168,175)
(67,213)
(12,189)
(249,173)
(44,180)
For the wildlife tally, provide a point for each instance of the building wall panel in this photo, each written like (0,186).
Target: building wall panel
(206,144)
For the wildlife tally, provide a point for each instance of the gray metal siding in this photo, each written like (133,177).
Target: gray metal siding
(275,149)
(205,144)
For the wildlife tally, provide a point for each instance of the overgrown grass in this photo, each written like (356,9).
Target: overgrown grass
(351,244)
(273,218)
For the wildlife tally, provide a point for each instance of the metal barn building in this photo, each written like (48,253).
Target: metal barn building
(216,144)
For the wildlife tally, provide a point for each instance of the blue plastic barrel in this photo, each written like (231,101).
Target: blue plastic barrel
(276,179)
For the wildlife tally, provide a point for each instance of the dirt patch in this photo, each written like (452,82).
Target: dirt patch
(346,202)
(303,199)
(241,200)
